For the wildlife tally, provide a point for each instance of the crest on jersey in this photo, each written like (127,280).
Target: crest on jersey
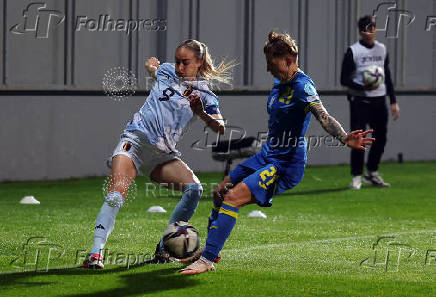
(309,89)
(188,91)
(127,146)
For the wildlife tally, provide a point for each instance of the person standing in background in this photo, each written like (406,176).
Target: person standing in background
(368,103)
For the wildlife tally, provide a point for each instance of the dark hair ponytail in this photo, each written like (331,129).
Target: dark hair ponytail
(279,45)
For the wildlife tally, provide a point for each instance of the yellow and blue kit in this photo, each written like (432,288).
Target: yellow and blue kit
(280,164)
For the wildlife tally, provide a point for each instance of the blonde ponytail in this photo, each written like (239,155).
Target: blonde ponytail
(221,73)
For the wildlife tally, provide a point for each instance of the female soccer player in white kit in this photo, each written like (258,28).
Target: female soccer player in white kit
(148,143)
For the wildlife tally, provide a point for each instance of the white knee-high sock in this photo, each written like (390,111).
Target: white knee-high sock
(106,220)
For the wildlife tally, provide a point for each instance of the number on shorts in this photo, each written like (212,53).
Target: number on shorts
(268,173)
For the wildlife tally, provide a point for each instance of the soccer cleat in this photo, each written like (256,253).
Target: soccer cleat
(374,179)
(356,183)
(200,266)
(162,256)
(94,261)
(197,256)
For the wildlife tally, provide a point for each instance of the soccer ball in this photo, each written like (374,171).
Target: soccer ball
(373,75)
(181,239)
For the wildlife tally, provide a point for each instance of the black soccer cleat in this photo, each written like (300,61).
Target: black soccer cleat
(161,256)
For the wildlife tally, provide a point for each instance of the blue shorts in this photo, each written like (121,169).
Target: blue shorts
(266,178)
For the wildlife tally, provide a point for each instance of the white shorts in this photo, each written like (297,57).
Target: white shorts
(145,155)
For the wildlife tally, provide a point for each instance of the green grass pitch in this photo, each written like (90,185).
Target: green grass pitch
(320,239)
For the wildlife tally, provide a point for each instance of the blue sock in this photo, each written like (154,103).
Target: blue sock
(188,204)
(185,209)
(220,230)
(106,220)
(213,214)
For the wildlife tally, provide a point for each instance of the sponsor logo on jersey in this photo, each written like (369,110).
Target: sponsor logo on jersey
(370,59)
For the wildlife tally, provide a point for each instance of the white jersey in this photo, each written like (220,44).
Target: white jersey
(364,57)
(166,113)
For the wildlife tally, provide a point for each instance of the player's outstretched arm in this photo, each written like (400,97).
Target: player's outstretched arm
(152,64)
(355,139)
(214,121)
(329,123)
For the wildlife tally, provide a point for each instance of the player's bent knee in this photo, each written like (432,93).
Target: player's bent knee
(239,196)
(233,198)
(230,197)
(195,188)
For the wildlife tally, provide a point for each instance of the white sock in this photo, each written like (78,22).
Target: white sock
(106,220)
(206,260)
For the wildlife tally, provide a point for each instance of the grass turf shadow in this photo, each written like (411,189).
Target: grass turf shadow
(133,283)
(315,192)
(145,283)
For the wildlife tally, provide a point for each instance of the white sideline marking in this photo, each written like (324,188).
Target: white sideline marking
(269,246)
